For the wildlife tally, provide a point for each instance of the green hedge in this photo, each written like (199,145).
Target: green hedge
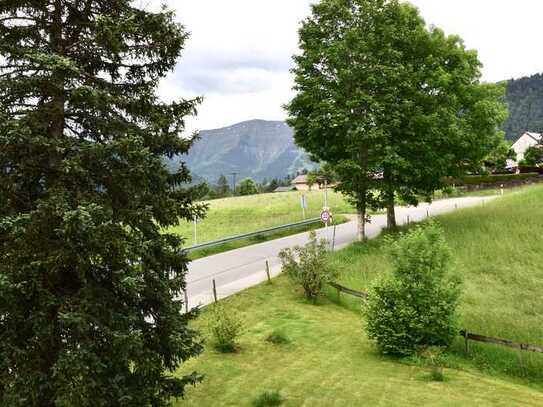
(491,179)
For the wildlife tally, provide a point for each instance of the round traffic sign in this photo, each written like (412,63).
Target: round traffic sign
(325,216)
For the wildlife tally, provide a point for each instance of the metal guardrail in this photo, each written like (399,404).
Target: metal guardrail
(252,234)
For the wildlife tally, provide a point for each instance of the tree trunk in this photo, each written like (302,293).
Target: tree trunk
(391,212)
(361,227)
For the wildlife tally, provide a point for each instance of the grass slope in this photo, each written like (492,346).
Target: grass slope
(328,362)
(234,216)
(498,251)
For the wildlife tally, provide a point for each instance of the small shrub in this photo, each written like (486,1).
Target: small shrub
(415,306)
(433,358)
(225,328)
(269,399)
(308,266)
(451,191)
(278,337)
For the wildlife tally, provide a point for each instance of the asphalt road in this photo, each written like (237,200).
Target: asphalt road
(236,270)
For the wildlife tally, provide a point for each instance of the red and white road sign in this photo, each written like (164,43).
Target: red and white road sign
(325,216)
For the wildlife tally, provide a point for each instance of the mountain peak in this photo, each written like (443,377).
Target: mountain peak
(254,148)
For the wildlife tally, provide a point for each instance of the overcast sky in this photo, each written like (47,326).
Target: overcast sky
(239,54)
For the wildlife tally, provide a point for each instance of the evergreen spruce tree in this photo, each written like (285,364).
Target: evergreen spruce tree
(89,285)
(223,189)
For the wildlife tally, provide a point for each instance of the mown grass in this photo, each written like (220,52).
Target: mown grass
(234,216)
(327,361)
(498,252)
(197,254)
(237,215)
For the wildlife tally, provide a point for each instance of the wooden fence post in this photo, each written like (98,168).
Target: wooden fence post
(268,271)
(521,362)
(214,290)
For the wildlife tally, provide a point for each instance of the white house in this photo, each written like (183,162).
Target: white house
(520,147)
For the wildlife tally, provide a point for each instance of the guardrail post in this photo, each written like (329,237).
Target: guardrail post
(214,290)
(408,220)
(186,301)
(427,213)
(334,238)
(268,271)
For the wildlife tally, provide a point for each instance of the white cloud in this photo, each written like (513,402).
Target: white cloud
(239,53)
(506,33)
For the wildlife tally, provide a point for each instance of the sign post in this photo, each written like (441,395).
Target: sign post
(196,220)
(325,216)
(303,204)
(326,194)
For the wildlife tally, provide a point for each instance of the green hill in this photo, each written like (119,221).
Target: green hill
(525,100)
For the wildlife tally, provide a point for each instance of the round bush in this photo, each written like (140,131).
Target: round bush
(416,305)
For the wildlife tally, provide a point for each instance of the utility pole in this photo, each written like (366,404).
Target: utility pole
(326,193)
(234,174)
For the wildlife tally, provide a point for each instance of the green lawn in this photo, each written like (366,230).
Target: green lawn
(330,362)
(234,216)
(498,251)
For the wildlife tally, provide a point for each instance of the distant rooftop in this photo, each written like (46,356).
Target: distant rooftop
(535,136)
(300,179)
(284,189)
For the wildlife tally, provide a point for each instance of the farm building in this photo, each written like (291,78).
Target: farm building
(520,147)
(285,189)
(301,184)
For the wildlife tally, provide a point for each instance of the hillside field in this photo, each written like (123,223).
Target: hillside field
(329,361)
(244,214)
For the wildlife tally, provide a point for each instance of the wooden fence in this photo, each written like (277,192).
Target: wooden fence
(468,336)
(354,293)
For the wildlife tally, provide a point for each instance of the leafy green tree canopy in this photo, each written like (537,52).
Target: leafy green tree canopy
(496,161)
(533,156)
(247,187)
(391,105)
(89,285)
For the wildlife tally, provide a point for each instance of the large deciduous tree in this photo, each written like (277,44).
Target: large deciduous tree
(392,105)
(89,314)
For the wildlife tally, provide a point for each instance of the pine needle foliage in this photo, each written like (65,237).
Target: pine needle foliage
(89,314)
